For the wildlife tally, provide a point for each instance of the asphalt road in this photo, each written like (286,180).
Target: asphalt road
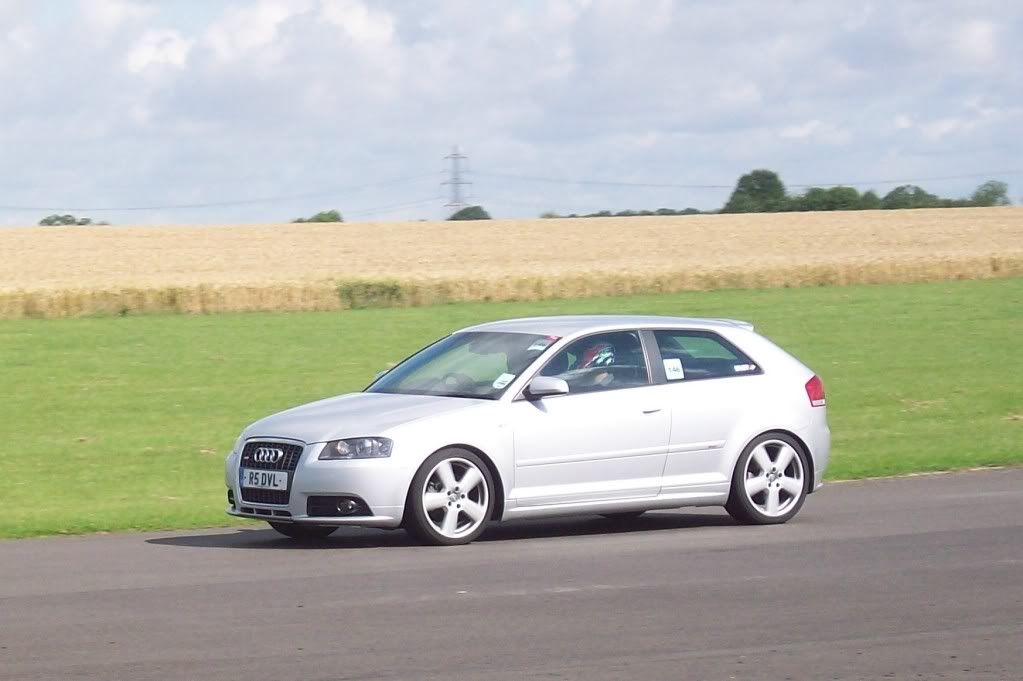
(914,578)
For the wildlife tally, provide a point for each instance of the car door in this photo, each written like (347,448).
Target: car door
(710,383)
(606,439)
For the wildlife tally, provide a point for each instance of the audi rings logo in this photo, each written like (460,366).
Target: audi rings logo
(268,455)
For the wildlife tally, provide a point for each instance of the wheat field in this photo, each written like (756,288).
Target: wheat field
(68,271)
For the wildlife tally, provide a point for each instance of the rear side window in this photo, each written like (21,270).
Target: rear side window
(694,355)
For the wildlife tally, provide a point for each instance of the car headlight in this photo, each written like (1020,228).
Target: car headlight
(357,448)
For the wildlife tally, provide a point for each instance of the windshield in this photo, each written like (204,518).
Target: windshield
(476,364)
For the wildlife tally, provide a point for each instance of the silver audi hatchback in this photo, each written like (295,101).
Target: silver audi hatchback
(548,416)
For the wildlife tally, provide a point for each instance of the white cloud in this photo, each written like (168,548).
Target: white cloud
(20,38)
(158,47)
(291,96)
(976,42)
(903,122)
(253,30)
(106,16)
(360,24)
(935,130)
(740,93)
(817,131)
(801,130)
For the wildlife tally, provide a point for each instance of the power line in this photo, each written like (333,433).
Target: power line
(391,207)
(611,183)
(457,199)
(861,183)
(672,185)
(222,204)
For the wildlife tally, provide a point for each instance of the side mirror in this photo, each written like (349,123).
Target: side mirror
(545,386)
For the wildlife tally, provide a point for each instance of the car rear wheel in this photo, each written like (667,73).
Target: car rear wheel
(450,499)
(770,481)
(304,532)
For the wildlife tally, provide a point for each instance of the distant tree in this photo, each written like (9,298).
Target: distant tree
(909,196)
(991,193)
(758,191)
(470,213)
(51,220)
(742,203)
(870,200)
(548,214)
(322,216)
(843,198)
(833,198)
(814,198)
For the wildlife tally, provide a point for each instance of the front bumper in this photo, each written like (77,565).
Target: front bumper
(380,483)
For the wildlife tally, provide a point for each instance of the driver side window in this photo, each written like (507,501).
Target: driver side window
(604,361)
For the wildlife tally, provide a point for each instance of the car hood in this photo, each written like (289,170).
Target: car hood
(354,415)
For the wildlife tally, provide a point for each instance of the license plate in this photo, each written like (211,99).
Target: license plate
(264,479)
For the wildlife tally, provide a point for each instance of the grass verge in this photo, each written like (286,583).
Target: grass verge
(122,423)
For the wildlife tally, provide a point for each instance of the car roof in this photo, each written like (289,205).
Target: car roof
(568,325)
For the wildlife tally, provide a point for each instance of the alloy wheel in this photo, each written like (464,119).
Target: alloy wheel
(455,497)
(773,480)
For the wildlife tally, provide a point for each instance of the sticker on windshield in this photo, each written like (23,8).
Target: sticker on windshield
(541,344)
(739,368)
(503,380)
(673,369)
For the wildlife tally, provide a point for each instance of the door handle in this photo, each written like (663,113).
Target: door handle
(651,411)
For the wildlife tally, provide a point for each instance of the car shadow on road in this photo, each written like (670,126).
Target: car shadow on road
(361,538)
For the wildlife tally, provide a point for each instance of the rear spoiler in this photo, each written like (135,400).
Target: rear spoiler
(738,323)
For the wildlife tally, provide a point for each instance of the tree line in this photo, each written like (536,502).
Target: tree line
(759,191)
(762,191)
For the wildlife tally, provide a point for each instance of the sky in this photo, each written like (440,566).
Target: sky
(207,111)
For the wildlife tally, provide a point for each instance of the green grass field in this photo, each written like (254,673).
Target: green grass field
(123,423)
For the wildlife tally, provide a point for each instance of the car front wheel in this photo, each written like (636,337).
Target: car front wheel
(450,499)
(770,481)
(304,532)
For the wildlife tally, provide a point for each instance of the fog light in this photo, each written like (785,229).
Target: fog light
(230,496)
(347,506)
(336,507)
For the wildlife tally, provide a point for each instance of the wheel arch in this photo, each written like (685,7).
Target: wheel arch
(802,444)
(495,475)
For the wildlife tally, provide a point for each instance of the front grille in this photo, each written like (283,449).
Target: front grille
(266,496)
(288,462)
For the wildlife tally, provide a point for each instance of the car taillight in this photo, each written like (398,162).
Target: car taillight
(815,391)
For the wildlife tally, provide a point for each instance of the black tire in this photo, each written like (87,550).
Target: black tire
(739,505)
(418,524)
(623,515)
(304,532)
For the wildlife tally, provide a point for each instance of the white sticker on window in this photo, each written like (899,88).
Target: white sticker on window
(673,369)
(739,368)
(503,380)
(540,345)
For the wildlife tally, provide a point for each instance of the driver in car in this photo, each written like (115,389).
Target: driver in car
(596,357)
